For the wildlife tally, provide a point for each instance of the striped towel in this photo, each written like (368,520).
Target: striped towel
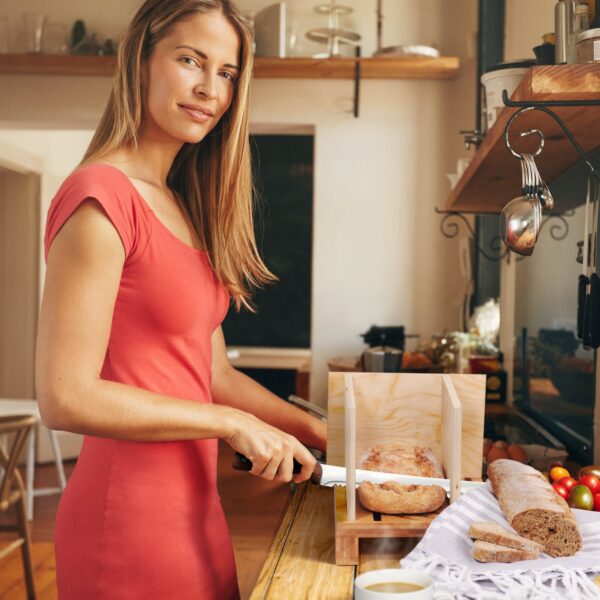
(445,554)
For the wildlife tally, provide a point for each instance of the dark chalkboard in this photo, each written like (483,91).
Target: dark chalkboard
(283,172)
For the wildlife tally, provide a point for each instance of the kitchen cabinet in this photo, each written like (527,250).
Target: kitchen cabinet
(494,175)
(444,67)
(301,560)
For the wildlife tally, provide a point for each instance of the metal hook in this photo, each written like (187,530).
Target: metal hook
(523,134)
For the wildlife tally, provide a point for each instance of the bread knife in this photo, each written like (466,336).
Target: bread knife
(330,475)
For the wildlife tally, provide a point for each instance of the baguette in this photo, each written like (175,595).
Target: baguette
(533,508)
(487,552)
(494,533)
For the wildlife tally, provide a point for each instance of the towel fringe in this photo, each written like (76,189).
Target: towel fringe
(514,585)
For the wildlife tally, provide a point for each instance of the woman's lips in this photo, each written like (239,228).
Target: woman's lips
(196,115)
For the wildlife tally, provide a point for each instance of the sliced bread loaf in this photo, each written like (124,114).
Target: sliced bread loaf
(533,508)
(487,552)
(488,531)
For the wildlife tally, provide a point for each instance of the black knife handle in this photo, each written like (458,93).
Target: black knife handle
(594,311)
(581,287)
(242,463)
(586,319)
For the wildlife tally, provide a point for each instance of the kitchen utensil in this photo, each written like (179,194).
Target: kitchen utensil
(582,284)
(594,286)
(564,21)
(382,359)
(590,265)
(333,35)
(522,217)
(331,475)
(393,335)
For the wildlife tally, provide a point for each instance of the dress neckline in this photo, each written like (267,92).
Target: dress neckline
(151,211)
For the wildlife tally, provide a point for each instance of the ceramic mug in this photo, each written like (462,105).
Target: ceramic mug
(416,578)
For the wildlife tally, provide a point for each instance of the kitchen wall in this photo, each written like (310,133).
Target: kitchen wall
(379,257)
(526,22)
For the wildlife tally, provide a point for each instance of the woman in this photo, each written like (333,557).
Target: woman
(146,243)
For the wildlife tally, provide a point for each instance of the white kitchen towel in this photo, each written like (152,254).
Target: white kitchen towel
(445,554)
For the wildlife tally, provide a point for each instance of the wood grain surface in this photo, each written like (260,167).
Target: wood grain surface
(443,67)
(301,561)
(406,408)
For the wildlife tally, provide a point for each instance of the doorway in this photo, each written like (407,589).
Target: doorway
(19,280)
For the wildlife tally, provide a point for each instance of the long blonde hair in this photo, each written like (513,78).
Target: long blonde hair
(212,179)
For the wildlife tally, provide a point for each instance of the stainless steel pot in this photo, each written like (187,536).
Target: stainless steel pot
(382,359)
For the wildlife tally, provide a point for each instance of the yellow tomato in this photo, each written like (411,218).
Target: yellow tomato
(558,473)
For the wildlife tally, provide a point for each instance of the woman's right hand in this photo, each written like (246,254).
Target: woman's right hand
(271,450)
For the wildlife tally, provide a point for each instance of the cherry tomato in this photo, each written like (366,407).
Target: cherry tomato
(597,502)
(581,497)
(561,490)
(568,482)
(592,482)
(558,473)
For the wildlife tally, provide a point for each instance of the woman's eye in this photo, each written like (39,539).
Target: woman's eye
(188,60)
(227,75)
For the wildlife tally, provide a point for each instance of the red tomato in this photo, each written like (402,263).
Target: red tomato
(567,482)
(592,482)
(561,490)
(597,502)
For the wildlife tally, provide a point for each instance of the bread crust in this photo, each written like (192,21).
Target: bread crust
(533,508)
(394,498)
(488,552)
(396,458)
(494,533)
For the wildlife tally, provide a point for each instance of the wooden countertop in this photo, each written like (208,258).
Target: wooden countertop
(301,561)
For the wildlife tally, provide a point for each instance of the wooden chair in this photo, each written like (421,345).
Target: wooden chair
(10,407)
(12,492)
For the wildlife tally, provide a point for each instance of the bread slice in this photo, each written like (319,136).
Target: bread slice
(393,498)
(494,533)
(488,552)
(533,509)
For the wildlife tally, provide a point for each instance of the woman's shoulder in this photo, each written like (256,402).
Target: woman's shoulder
(113,191)
(96,175)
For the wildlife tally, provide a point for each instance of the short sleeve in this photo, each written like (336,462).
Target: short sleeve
(113,195)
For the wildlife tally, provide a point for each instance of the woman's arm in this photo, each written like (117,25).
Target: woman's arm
(82,280)
(233,388)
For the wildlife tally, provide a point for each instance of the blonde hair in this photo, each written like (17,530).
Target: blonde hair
(212,179)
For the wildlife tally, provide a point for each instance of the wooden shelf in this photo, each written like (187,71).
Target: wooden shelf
(493,177)
(295,68)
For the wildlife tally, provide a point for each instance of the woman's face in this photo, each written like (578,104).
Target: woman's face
(191,77)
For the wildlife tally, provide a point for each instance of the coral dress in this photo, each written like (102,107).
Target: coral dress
(143,520)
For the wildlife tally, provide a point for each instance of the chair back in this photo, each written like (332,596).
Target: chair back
(20,426)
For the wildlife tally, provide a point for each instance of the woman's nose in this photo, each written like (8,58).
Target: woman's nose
(207,86)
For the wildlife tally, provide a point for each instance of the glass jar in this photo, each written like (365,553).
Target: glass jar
(588,46)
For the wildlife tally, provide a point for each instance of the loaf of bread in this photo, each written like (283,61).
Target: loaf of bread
(494,533)
(533,508)
(394,498)
(408,460)
(487,552)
